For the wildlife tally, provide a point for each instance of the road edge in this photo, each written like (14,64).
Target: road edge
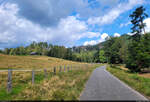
(126,85)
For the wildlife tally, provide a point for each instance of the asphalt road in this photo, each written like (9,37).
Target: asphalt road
(104,86)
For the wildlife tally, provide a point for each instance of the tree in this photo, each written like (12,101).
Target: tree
(145,45)
(22,50)
(107,48)
(12,52)
(96,56)
(137,20)
(1,51)
(102,56)
(111,49)
(6,51)
(137,53)
(123,51)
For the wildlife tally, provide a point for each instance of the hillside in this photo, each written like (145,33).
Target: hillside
(47,85)
(100,45)
(32,62)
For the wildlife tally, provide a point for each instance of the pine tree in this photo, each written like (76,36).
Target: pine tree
(138,17)
(137,56)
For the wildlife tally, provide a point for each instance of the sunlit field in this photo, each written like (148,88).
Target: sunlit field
(32,62)
(66,84)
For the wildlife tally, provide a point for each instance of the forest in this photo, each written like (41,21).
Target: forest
(132,50)
(43,48)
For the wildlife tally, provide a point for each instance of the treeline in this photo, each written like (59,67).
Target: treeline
(125,50)
(43,48)
(133,51)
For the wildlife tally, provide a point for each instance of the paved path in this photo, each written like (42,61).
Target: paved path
(104,86)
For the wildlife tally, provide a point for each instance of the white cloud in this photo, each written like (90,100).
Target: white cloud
(92,34)
(147,21)
(116,35)
(49,12)
(15,31)
(92,42)
(103,37)
(124,24)
(109,17)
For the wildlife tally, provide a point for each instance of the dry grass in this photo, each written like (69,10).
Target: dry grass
(134,80)
(32,62)
(146,75)
(62,86)
(123,67)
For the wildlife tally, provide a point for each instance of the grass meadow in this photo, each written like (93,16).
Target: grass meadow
(32,62)
(66,85)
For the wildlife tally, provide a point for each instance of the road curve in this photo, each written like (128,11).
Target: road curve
(104,86)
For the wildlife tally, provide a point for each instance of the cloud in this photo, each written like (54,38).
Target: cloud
(109,17)
(43,12)
(16,30)
(49,12)
(116,35)
(103,37)
(124,24)
(61,22)
(92,34)
(93,42)
(147,21)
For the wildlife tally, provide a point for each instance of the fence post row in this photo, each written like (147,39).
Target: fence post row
(54,70)
(45,73)
(9,84)
(33,76)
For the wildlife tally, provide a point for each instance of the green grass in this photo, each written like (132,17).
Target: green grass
(137,82)
(23,88)
(19,86)
(62,86)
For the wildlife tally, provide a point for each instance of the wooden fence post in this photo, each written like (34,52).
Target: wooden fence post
(60,69)
(45,73)
(54,70)
(68,68)
(33,76)
(9,84)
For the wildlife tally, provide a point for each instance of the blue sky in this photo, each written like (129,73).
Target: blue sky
(65,22)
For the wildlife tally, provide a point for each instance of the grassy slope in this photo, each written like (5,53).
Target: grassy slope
(62,86)
(137,82)
(30,62)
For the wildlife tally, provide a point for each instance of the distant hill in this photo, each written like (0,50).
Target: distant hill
(98,46)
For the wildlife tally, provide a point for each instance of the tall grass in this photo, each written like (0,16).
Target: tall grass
(137,82)
(62,86)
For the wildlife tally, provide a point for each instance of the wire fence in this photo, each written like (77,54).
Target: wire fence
(9,77)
